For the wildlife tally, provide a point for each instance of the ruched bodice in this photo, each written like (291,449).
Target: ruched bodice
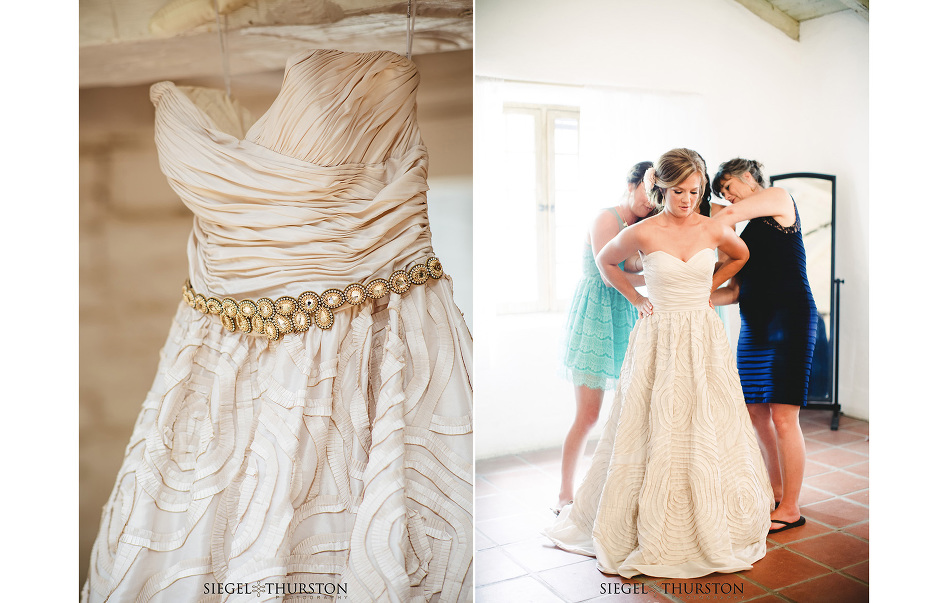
(677,286)
(337,108)
(326,189)
(279,453)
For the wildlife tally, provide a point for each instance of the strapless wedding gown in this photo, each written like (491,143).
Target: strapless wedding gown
(300,462)
(677,486)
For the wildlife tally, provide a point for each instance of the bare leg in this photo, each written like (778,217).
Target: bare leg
(790,443)
(762,420)
(588,403)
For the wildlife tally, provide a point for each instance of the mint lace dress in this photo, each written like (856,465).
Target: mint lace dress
(597,328)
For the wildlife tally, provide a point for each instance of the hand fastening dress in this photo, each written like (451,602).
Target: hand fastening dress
(327,452)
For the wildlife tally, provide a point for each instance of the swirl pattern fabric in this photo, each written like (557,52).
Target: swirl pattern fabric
(337,461)
(677,487)
(597,330)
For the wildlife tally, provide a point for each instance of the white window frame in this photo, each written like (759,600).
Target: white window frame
(545,203)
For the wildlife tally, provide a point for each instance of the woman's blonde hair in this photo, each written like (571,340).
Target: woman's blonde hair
(672,168)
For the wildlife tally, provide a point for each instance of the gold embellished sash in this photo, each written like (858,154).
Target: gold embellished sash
(286,314)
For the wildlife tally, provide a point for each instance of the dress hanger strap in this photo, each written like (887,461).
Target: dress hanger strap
(410,27)
(225,55)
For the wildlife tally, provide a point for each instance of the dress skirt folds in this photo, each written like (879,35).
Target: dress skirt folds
(325,462)
(677,486)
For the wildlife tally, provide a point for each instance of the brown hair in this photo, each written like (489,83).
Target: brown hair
(672,168)
(735,168)
(637,173)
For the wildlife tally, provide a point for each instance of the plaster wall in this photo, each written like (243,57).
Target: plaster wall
(793,105)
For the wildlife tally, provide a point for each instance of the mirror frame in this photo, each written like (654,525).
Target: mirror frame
(831,402)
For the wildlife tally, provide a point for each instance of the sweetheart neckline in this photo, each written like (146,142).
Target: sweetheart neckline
(243,137)
(678,258)
(242,140)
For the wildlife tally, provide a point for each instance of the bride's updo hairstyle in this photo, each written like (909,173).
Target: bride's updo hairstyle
(735,168)
(672,168)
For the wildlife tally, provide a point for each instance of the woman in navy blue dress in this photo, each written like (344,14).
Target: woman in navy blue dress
(778,325)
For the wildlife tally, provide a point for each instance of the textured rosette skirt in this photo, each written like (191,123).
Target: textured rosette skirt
(677,487)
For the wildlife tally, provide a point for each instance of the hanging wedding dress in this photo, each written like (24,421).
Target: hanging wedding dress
(308,434)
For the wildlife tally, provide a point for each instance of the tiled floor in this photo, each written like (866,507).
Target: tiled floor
(827,560)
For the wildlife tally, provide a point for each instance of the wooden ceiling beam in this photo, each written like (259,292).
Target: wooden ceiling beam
(258,49)
(776,17)
(861,7)
(117,48)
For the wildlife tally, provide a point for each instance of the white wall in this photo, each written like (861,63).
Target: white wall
(795,106)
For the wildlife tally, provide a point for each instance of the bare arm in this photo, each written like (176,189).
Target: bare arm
(633,268)
(604,229)
(772,201)
(728,294)
(734,256)
(612,254)
(722,257)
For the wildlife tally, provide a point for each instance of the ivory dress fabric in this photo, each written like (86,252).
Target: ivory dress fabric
(677,486)
(338,460)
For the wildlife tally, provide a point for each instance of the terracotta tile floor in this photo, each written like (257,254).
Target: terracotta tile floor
(827,560)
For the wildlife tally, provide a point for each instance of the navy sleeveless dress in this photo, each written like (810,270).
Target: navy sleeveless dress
(778,315)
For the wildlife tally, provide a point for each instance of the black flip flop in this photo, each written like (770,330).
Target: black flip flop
(787,525)
(776,504)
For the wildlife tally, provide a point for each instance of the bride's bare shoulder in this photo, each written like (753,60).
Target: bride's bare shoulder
(709,226)
(704,222)
(646,227)
(648,223)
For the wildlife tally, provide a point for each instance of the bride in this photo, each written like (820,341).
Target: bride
(677,486)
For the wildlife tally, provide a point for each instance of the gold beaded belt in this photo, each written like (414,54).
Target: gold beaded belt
(296,314)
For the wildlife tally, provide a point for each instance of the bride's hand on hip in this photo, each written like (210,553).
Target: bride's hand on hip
(644,306)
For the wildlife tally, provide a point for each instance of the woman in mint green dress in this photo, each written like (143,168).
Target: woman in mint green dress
(598,326)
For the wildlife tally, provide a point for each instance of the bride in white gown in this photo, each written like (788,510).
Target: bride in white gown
(677,486)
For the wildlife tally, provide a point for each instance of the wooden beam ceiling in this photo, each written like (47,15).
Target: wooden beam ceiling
(773,15)
(119,44)
(786,15)
(861,7)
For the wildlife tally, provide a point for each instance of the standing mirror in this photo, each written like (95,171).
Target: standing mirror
(815,196)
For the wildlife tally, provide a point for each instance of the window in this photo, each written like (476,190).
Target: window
(543,223)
